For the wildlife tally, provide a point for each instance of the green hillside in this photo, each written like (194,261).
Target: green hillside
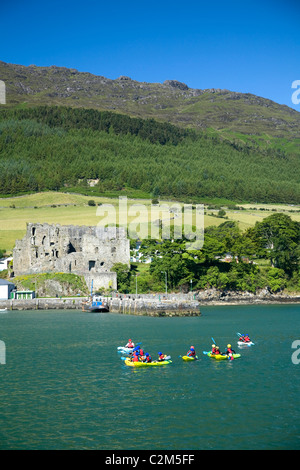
(52,148)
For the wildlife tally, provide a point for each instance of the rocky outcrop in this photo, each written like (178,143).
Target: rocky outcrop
(172,101)
(217,297)
(176,84)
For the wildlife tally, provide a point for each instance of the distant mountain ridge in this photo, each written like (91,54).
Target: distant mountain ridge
(171,101)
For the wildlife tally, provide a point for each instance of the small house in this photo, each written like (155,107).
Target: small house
(23,294)
(6,289)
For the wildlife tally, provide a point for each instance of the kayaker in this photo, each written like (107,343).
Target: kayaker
(191,352)
(245,338)
(161,356)
(229,351)
(141,352)
(130,344)
(148,358)
(216,350)
(143,358)
(135,357)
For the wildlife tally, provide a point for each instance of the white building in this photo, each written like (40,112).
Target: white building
(6,288)
(4,263)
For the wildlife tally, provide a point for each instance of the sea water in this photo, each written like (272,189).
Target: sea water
(65,386)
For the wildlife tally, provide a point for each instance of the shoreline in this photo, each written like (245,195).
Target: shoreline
(163,306)
(264,297)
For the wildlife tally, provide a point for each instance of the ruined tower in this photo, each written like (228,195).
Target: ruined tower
(87,251)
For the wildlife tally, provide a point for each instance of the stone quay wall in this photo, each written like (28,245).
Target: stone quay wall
(126,305)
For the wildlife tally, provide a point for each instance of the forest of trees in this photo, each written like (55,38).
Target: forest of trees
(51,148)
(275,241)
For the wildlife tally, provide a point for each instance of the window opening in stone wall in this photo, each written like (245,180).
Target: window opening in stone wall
(70,248)
(91,264)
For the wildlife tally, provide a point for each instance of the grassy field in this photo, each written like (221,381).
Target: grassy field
(73,209)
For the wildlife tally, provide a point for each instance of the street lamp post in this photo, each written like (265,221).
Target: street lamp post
(166,280)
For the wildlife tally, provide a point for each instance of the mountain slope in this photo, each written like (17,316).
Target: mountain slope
(222,110)
(46,147)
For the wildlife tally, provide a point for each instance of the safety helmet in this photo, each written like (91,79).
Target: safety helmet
(160,353)
(228,345)
(213,345)
(192,347)
(147,354)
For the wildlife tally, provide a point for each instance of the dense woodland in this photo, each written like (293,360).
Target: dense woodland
(266,256)
(50,148)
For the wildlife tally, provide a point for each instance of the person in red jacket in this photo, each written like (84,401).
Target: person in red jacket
(215,350)
(161,356)
(130,344)
(230,352)
(191,352)
(135,357)
(148,358)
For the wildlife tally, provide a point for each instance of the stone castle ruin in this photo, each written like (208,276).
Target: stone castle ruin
(87,251)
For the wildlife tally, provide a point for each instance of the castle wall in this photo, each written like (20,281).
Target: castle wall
(82,250)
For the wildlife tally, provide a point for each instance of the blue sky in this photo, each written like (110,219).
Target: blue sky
(246,46)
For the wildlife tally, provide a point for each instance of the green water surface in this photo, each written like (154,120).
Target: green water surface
(64,385)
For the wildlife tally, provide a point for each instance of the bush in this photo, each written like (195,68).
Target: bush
(276,279)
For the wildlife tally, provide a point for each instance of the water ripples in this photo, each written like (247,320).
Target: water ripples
(65,387)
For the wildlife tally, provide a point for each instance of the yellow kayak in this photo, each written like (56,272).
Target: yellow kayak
(128,362)
(189,358)
(221,357)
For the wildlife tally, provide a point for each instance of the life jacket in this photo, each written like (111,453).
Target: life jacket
(247,339)
(161,357)
(230,351)
(141,352)
(216,351)
(135,358)
(191,353)
(148,358)
(129,345)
